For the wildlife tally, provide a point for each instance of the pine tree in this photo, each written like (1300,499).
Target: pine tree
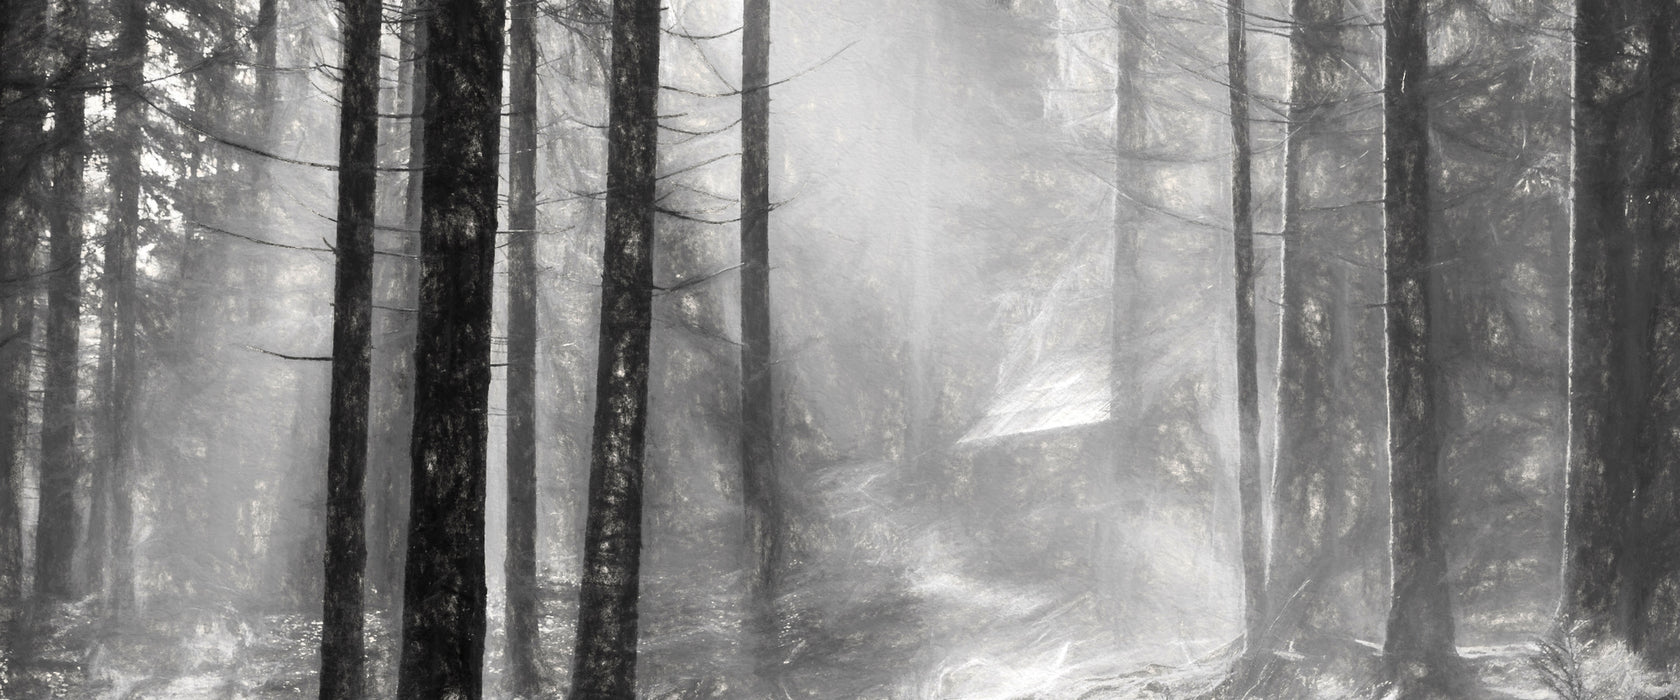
(758,437)
(443,583)
(1419,650)
(521,564)
(604,665)
(347,433)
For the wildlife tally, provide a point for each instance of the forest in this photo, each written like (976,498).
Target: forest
(990,349)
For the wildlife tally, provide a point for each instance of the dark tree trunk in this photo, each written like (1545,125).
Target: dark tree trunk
(121,236)
(23,61)
(443,584)
(521,564)
(15,330)
(605,663)
(1654,595)
(55,534)
(1606,348)
(1324,523)
(347,436)
(759,491)
(1420,649)
(1248,383)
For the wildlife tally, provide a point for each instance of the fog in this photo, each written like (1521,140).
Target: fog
(1004,367)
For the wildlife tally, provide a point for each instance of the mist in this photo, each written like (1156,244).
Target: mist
(987,349)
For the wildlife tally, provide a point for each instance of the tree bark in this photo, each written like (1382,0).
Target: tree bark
(1323,477)
(1654,594)
(521,563)
(1606,351)
(605,661)
(1249,488)
(121,236)
(443,585)
(55,533)
(1420,648)
(760,496)
(347,436)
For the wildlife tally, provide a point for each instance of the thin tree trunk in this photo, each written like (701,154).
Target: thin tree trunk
(1131,138)
(521,564)
(1602,420)
(1654,598)
(100,502)
(1420,649)
(443,585)
(1248,383)
(121,238)
(55,534)
(265,35)
(16,328)
(605,657)
(347,436)
(760,496)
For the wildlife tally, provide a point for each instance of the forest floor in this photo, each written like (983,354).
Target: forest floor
(218,654)
(861,623)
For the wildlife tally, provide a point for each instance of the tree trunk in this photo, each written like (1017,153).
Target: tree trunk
(55,534)
(605,658)
(760,497)
(347,436)
(23,62)
(1420,649)
(1654,597)
(443,585)
(1323,521)
(265,35)
(521,564)
(1605,354)
(121,236)
(1248,383)
(1131,138)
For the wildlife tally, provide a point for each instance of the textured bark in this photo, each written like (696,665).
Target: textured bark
(121,236)
(605,657)
(347,436)
(1607,353)
(521,563)
(1654,592)
(55,534)
(1324,525)
(1249,491)
(443,584)
(1419,650)
(760,496)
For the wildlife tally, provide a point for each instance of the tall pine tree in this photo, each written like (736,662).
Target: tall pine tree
(604,665)
(443,583)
